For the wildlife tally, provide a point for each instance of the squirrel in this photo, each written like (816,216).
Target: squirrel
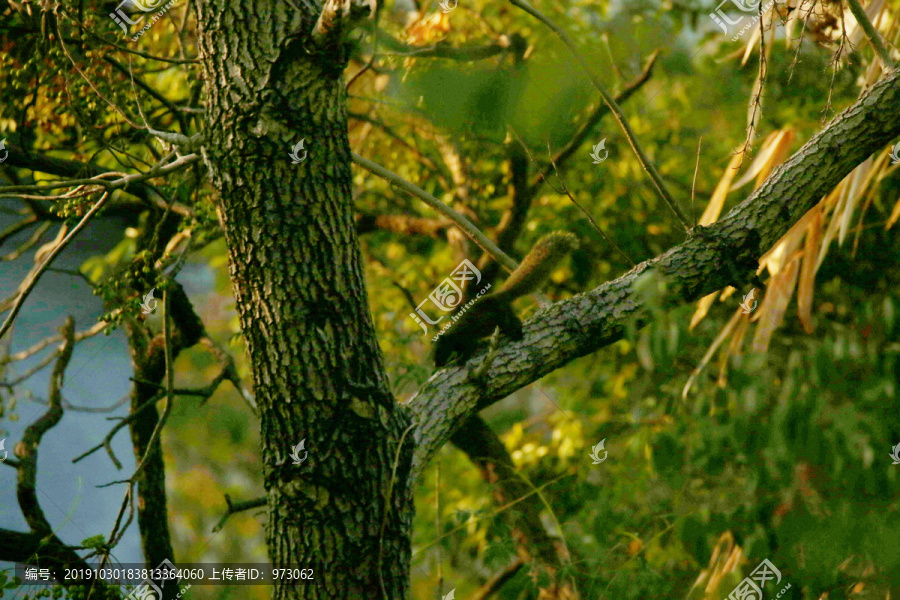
(495,310)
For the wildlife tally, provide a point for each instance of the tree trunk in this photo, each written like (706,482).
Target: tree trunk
(296,270)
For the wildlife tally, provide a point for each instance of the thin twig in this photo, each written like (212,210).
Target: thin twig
(155,437)
(694,183)
(107,441)
(496,512)
(33,279)
(586,213)
(29,243)
(62,45)
(236,507)
(593,119)
(94,330)
(756,99)
(464,224)
(614,107)
(158,170)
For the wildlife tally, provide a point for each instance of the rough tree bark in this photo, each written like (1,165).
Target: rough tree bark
(296,270)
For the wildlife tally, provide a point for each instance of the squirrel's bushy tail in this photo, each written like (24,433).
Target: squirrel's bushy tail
(538,264)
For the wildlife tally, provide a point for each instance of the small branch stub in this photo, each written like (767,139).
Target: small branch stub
(338,17)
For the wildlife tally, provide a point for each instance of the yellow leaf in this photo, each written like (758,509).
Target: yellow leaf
(774,304)
(714,208)
(773,152)
(702,308)
(895,214)
(806,286)
(734,349)
(709,353)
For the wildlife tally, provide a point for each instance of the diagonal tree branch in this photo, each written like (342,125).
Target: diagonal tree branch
(568,330)
(464,224)
(35,276)
(614,107)
(533,544)
(523,192)
(27,449)
(595,117)
(863,19)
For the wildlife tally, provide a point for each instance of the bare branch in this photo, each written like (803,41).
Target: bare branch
(158,170)
(36,275)
(24,158)
(608,239)
(464,224)
(614,107)
(595,117)
(94,330)
(236,507)
(27,448)
(28,244)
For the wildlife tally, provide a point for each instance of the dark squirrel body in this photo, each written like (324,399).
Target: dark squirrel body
(495,310)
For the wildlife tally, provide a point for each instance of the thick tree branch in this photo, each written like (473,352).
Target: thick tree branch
(533,544)
(150,360)
(27,449)
(124,181)
(567,330)
(21,157)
